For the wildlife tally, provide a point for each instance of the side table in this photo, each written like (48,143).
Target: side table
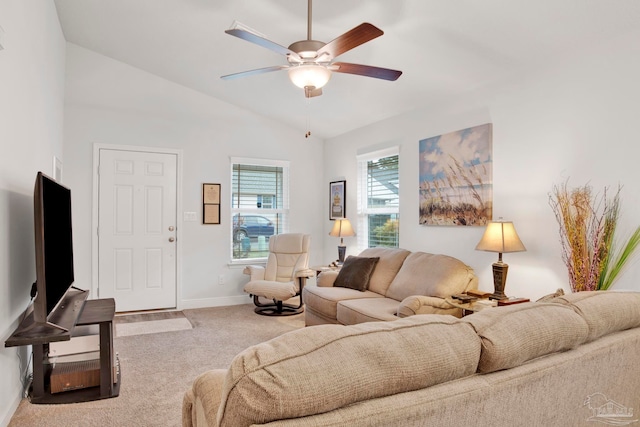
(320,268)
(482,303)
(471,307)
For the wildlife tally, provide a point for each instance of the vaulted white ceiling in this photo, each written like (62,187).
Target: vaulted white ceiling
(446,48)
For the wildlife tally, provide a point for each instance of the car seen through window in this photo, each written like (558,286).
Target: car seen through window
(251,226)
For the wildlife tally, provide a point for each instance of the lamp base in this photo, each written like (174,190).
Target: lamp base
(342,250)
(498,296)
(500,270)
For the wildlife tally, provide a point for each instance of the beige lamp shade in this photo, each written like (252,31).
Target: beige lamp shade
(500,236)
(342,228)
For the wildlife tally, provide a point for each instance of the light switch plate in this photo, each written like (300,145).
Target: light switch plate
(190,216)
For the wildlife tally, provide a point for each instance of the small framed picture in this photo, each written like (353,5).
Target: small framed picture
(210,203)
(337,196)
(211,213)
(211,193)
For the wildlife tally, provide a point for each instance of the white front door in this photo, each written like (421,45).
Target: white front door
(137,211)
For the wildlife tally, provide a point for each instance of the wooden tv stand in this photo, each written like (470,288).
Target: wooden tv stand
(77,311)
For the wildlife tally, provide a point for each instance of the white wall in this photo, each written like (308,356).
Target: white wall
(573,118)
(31,112)
(109,102)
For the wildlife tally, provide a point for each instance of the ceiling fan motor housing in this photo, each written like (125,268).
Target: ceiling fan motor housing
(307,49)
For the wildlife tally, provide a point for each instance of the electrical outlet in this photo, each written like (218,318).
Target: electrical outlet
(221,279)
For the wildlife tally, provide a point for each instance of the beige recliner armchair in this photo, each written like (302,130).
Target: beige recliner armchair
(283,277)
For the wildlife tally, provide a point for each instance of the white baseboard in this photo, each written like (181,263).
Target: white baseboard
(215,302)
(11,409)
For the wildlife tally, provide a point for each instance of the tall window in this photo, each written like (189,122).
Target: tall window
(378,199)
(259,205)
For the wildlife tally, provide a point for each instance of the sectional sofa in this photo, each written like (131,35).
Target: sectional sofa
(568,362)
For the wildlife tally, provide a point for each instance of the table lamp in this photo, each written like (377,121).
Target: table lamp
(500,236)
(342,228)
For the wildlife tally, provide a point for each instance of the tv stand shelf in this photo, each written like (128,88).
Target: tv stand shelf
(75,311)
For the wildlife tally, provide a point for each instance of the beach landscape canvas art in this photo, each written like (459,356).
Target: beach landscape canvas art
(456,178)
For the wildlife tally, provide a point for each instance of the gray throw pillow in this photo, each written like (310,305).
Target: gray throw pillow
(356,272)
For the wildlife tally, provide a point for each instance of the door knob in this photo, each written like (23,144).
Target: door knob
(172,239)
(171,228)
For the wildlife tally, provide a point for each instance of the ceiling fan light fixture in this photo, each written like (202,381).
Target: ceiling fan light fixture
(309,75)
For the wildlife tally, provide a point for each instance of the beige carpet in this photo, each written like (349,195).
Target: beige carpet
(157,369)
(152,327)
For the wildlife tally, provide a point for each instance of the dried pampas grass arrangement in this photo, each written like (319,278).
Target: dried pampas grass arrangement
(587,234)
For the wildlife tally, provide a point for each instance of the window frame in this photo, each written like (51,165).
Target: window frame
(363,209)
(282,211)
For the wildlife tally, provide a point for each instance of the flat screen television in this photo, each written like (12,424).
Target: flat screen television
(53,244)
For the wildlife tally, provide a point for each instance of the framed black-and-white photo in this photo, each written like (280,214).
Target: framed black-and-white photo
(337,202)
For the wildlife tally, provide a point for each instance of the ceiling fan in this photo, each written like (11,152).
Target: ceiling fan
(310,62)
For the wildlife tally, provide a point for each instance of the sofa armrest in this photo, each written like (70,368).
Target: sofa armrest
(327,278)
(200,404)
(420,304)
(255,271)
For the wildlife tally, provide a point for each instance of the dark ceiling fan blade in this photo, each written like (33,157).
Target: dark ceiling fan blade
(260,41)
(252,72)
(311,91)
(351,39)
(366,70)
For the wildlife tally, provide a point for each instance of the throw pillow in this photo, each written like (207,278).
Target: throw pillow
(356,272)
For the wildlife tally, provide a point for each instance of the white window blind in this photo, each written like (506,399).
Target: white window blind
(378,199)
(259,206)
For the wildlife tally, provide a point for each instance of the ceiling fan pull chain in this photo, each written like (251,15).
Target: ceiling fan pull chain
(308,102)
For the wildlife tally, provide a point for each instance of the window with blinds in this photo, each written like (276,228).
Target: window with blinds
(378,201)
(259,206)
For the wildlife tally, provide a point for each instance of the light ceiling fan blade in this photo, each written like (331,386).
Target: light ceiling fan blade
(367,70)
(261,41)
(351,39)
(253,72)
(311,91)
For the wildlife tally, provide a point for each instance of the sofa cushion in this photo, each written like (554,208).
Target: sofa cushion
(353,311)
(391,260)
(325,300)
(514,334)
(355,272)
(604,311)
(322,368)
(429,274)
(272,290)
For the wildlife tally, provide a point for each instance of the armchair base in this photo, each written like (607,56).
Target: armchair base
(277,308)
